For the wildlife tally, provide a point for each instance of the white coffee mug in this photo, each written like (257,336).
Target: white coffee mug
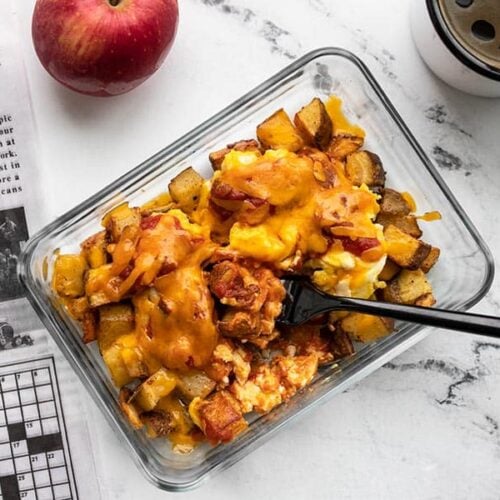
(447,56)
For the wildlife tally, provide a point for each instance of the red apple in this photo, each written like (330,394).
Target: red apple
(103,47)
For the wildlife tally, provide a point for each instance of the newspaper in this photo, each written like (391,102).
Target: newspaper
(21,209)
(45,446)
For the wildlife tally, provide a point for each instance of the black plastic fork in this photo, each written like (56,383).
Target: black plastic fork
(304,301)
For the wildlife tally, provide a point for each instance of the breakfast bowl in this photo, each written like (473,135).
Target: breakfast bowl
(462,276)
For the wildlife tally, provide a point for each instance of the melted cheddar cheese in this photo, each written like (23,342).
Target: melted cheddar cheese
(307,215)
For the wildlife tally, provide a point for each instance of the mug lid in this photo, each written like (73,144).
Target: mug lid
(471,30)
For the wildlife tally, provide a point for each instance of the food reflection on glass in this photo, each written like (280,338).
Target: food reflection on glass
(182,293)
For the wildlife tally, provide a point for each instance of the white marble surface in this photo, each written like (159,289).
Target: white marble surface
(426,426)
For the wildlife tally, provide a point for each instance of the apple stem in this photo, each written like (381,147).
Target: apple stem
(114,3)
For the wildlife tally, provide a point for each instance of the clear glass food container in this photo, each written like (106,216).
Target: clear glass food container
(461,277)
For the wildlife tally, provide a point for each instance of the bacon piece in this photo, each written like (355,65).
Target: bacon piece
(224,191)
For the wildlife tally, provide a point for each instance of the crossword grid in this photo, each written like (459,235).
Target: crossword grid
(34,459)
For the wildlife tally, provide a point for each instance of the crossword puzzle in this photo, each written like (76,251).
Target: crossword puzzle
(35,463)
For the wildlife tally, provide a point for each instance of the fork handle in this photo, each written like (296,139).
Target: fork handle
(451,320)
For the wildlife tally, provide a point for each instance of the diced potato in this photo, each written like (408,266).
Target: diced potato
(194,384)
(77,307)
(177,411)
(159,385)
(217,157)
(119,218)
(426,300)
(341,344)
(115,320)
(128,408)
(403,249)
(278,131)
(94,249)
(314,124)
(69,271)
(407,287)
(389,271)
(220,417)
(116,366)
(134,362)
(407,223)
(185,189)
(343,145)
(364,167)
(430,260)
(158,423)
(365,327)
(393,203)
(89,326)
(95,278)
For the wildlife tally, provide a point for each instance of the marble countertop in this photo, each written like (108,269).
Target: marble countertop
(427,424)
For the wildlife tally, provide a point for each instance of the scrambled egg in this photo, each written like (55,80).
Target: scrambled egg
(310,218)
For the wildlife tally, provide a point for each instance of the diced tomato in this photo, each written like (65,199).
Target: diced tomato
(150,222)
(359,245)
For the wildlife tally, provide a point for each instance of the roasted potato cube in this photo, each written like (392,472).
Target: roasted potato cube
(220,417)
(77,307)
(94,249)
(134,361)
(115,320)
(314,124)
(69,271)
(89,326)
(119,218)
(341,344)
(278,131)
(159,385)
(96,276)
(158,423)
(116,366)
(217,157)
(393,203)
(194,384)
(426,300)
(128,408)
(407,223)
(365,327)
(403,249)
(389,271)
(343,145)
(178,412)
(407,287)
(430,260)
(185,189)
(364,167)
